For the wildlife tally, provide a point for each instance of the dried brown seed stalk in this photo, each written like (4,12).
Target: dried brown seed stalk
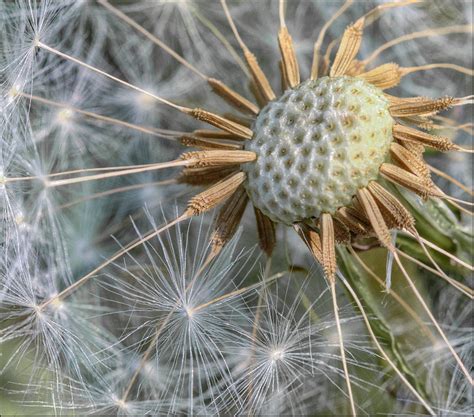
(290,64)
(258,76)
(215,134)
(266,232)
(385,76)
(423,122)
(204,176)
(241,120)
(342,234)
(356,68)
(232,97)
(400,216)
(420,107)
(283,76)
(215,194)
(260,80)
(408,180)
(328,247)
(415,148)
(394,100)
(228,219)
(375,217)
(359,210)
(352,219)
(197,142)
(218,157)
(261,100)
(322,34)
(221,123)
(312,240)
(411,162)
(405,133)
(348,49)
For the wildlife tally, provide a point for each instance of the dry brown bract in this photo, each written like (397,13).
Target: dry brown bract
(375,210)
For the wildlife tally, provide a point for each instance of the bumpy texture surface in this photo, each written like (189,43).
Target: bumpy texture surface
(316,145)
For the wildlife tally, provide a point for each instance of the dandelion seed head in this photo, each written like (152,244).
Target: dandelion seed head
(189,312)
(174,324)
(85,248)
(280,351)
(150,193)
(20,219)
(38,311)
(144,101)
(277,354)
(64,116)
(121,404)
(333,338)
(13,92)
(316,146)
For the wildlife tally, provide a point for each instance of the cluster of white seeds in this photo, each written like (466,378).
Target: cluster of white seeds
(316,145)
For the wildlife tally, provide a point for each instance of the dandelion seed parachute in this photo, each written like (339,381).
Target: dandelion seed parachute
(288,345)
(183,311)
(61,338)
(451,393)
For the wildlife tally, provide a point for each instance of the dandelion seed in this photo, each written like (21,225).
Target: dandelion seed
(284,348)
(181,301)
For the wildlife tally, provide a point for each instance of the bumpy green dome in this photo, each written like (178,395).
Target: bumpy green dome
(316,145)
